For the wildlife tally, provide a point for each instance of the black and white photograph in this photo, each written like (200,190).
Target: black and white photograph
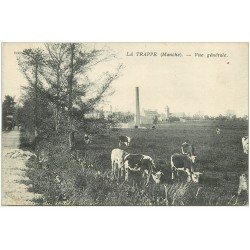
(125,124)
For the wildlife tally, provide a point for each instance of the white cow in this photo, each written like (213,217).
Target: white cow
(180,162)
(117,162)
(243,185)
(245,144)
(188,149)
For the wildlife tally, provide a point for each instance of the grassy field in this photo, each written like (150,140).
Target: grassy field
(219,157)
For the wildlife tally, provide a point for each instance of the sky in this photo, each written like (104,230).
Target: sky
(190,82)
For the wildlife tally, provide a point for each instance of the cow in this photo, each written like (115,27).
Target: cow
(243,182)
(181,162)
(245,144)
(124,140)
(139,167)
(243,185)
(87,138)
(188,149)
(218,130)
(117,163)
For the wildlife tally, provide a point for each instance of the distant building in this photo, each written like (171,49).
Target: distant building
(97,114)
(149,116)
(178,114)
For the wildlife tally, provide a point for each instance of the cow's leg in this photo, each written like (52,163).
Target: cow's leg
(174,170)
(189,175)
(172,173)
(113,169)
(116,170)
(148,177)
(118,174)
(238,194)
(122,169)
(126,175)
(138,180)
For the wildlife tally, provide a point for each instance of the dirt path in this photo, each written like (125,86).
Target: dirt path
(13,172)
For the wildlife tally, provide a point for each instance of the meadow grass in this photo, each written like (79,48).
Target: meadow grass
(219,157)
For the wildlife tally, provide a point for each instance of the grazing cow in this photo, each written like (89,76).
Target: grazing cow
(188,149)
(124,140)
(87,139)
(138,166)
(117,162)
(180,162)
(218,130)
(245,144)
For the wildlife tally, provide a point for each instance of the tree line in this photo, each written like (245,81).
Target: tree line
(59,90)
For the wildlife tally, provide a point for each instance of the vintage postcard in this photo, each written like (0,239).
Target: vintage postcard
(125,124)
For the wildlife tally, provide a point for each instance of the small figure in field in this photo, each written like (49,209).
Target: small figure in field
(218,131)
(124,140)
(87,138)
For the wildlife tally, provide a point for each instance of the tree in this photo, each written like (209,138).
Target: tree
(80,61)
(59,75)
(230,114)
(54,75)
(8,109)
(31,62)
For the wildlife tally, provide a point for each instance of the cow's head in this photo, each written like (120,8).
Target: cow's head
(157,177)
(192,158)
(195,176)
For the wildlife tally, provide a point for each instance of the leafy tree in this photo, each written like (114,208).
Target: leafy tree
(81,92)
(58,74)
(8,109)
(31,63)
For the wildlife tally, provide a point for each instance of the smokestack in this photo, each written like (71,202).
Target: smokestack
(137,116)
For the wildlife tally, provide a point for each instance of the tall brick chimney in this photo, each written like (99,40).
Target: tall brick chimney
(137,115)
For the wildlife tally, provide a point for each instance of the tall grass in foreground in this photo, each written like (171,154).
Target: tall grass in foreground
(62,180)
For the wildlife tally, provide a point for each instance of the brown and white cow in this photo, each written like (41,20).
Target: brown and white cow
(245,144)
(117,163)
(139,167)
(181,162)
(124,140)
